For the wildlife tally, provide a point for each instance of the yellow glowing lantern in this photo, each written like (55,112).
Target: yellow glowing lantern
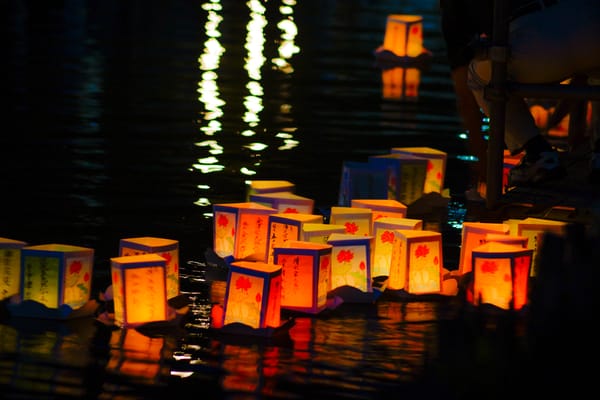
(417,262)
(509,162)
(357,220)
(473,234)
(405,173)
(253,295)
(306,269)
(400,83)
(240,230)
(404,34)
(382,208)
(286,227)
(383,244)
(436,165)
(501,275)
(361,180)
(351,261)
(139,289)
(166,248)
(268,186)
(319,232)
(285,202)
(10,266)
(534,229)
(57,274)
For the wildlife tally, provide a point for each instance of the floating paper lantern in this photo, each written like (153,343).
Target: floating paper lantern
(285,202)
(436,165)
(501,275)
(286,227)
(383,243)
(534,229)
(240,230)
(404,34)
(10,266)
(268,186)
(139,289)
(357,220)
(253,295)
(351,261)
(405,173)
(382,208)
(417,262)
(473,234)
(57,274)
(319,232)
(166,248)
(306,269)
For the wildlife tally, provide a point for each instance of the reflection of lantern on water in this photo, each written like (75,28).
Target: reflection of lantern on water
(401,83)
(10,266)
(408,311)
(250,369)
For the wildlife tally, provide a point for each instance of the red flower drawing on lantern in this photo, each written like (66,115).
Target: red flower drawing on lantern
(86,277)
(362,266)
(75,267)
(429,166)
(290,210)
(506,278)
(325,263)
(387,237)
(438,175)
(421,251)
(115,277)
(489,267)
(351,227)
(258,297)
(415,30)
(377,216)
(222,220)
(345,256)
(243,283)
(167,256)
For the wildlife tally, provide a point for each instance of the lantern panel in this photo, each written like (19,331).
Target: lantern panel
(285,227)
(404,34)
(351,261)
(382,208)
(473,235)
(285,202)
(319,232)
(534,229)
(383,243)
(436,166)
(268,186)
(405,173)
(10,266)
(357,220)
(400,83)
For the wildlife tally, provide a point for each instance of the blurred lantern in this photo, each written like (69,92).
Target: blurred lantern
(417,262)
(400,83)
(383,244)
(436,166)
(253,295)
(361,180)
(57,274)
(351,261)
(139,289)
(166,248)
(357,220)
(268,186)
(534,229)
(10,266)
(285,202)
(306,269)
(319,232)
(501,275)
(286,227)
(240,230)
(382,208)
(509,162)
(473,235)
(405,173)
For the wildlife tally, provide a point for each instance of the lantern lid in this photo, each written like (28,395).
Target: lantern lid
(151,241)
(139,258)
(500,248)
(257,266)
(301,244)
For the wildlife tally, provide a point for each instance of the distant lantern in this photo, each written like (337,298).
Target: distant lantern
(253,295)
(240,230)
(405,173)
(473,234)
(382,208)
(319,232)
(57,274)
(363,180)
(357,220)
(501,275)
(383,241)
(417,262)
(400,83)
(404,34)
(351,262)
(10,266)
(166,248)
(436,165)
(285,227)
(534,229)
(139,289)
(285,202)
(306,270)
(268,186)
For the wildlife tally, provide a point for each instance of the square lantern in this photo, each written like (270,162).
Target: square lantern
(240,230)
(319,232)
(509,162)
(357,220)
(382,208)
(473,234)
(534,229)
(166,248)
(400,83)
(361,180)
(268,186)
(286,227)
(306,269)
(404,34)
(139,289)
(436,165)
(10,266)
(501,275)
(285,202)
(383,242)
(405,173)
(417,263)
(253,295)
(351,261)
(57,274)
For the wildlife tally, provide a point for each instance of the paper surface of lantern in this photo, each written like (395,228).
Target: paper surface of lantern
(400,83)
(405,173)
(383,242)
(361,180)
(473,235)
(166,248)
(139,289)
(285,202)
(57,274)
(10,266)
(306,269)
(417,262)
(382,208)
(268,186)
(240,230)
(351,261)
(253,294)
(501,275)
(286,227)
(436,166)
(319,232)
(534,229)
(404,34)
(357,220)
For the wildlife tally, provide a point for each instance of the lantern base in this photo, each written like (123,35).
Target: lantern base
(34,309)
(237,328)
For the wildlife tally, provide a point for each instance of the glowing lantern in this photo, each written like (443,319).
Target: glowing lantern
(268,186)
(57,274)
(10,266)
(436,165)
(405,173)
(400,83)
(285,202)
(383,244)
(351,261)
(319,232)
(382,208)
(473,235)
(534,229)
(404,35)
(357,220)
(139,289)
(166,248)
(253,295)
(285,227)
(509,162)
(506,239)
(417,262)
(363,181)
(240,230)
(501,275)
(306,268)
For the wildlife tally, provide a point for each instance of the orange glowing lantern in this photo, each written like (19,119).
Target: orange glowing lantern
(10,266)
(400,83)
(357,220)
(139,289)
(268,186)
(285,202)
(253,295)
(501,275)
(351,261)
(506,239)
(240,230)
(57,274)
(534,229)
(166,248)
(360,180)
(286,227)
(319,232)
(404,34)
(417,262)
(473,235)
(383,244)
(382,208)
(436,165)
(405,173)
(306,268)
